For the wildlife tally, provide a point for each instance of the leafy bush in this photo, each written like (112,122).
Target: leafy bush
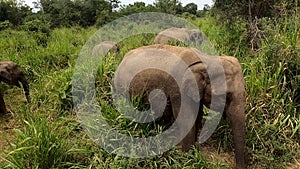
(5,25)
(37,26)
(39,29)
(187,15)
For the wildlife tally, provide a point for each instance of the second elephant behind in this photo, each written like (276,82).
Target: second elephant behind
(179,35)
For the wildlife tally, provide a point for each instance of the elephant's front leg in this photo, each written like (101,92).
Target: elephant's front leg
(236,115)
(198,122)
(2,105)
(185,120)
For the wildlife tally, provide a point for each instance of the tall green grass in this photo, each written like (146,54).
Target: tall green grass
(272,85)
(39,142)
(273,93)
(48,133)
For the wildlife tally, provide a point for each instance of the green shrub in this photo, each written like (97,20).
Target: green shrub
(39,29)
(5,25)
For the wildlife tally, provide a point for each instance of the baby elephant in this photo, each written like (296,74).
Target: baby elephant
(12,74)
(104,47)
(185,96)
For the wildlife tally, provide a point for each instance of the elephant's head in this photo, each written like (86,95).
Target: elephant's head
(12,74)
(196,36)
(210,73)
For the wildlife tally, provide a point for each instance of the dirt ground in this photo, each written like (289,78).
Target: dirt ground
(295,165)
(213,155)
(7,124)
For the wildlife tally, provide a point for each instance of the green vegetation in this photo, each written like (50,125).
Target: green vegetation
(47,134)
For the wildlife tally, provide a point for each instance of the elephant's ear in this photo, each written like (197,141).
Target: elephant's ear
(5,75)
(193,85)
(190,91)
(198,75)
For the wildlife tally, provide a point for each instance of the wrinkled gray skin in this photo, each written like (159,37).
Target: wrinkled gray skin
(177,35)
(12,74)
(147,80)
(105,47)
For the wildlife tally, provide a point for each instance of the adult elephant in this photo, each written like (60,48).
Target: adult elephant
(176,35)
(180,92)
(12,74)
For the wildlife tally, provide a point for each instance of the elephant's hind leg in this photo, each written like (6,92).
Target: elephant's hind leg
(186,119)
(2,105)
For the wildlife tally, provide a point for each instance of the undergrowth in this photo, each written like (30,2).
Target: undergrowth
(47,133)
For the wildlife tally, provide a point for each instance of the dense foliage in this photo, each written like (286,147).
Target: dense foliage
(47,133)
(66,13)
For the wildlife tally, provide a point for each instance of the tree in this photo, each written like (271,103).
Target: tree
(136,8)
(251,13)
(206,7)
(169,6)
(13,12)
(78,12)
(191,8)
(251,9)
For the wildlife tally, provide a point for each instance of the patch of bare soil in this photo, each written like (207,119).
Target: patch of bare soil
(225,159)
(295,165)
(7,124)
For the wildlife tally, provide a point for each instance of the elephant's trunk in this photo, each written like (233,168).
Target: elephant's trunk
(25,87)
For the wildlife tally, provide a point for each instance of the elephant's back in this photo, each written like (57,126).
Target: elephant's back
(9,67)
(104,47)
(188,55)
(7,64)
(172,34)
(150,79)
(155,66)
